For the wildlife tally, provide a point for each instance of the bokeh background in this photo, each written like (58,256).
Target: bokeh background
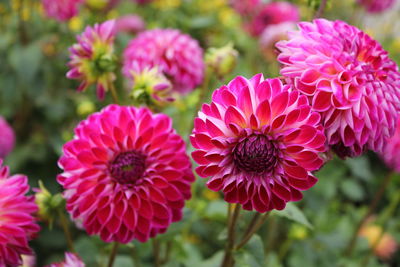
(43,107)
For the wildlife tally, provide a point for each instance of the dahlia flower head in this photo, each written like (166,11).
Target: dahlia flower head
(71,260)
(273,34)
(259,142)
(18,226)
(273,13)
(376,6)
(391,151)
(92,59)
(61,10)
(130,24)
(178,56)
(126,174)
(7,138)
(350,81)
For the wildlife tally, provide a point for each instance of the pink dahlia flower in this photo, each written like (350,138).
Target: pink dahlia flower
(71,260)
(130,24)
(92,59)
(7,138)
(176,55)
(62,10)
(376,6)
(258,141)
(143,2)
(246,7)
(273,34)
(18,225)
(126,174)
(273,13)
(391,151)
(350,81)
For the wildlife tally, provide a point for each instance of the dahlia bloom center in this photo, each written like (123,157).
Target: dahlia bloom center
(128,167)
(255,154)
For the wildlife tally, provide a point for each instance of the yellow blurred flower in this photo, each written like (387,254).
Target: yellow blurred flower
(113,14)
(228,17)
(207,6)
(167,4)
(97,4)
(211,195)
(85,108)
(75,24)
(383,244)
(298,232)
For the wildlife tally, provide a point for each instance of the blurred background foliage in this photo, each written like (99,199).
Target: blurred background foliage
(43,107)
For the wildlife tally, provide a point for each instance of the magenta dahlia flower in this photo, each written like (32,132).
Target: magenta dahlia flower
(273,13)
(391,151)
(92,59)
(129,24)
(71,260)
(246,7)
(350,81)
(258,141)
(176,55)
(126,174)
(273,34)
(376,6)
(18,225)
(7,138)
(62,10)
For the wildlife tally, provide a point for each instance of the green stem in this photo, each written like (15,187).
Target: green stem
(168,249)
(228,259)
(253,230)
(378,195)
(114,93)
(135,257)
(156,252)
(113,254)
(321,9)
(65,226)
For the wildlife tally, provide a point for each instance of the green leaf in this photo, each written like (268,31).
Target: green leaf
(292,212)
(255,246)
(352,189)
(360,167)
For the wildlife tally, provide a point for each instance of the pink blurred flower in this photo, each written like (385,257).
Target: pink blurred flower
(391,151)
(18,225)
(71,260)
(259,142)
(383,244)
(273,13)
(130,24)
(246,7)
(92,59)
(126,174)
(143,2)
(62,10)
(7,138)
(350,81)
(176,55)
(376,6)
(271,35)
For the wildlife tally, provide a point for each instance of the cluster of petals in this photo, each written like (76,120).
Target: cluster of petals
(18,225)
(129,24)
(391,151)
(178,56)
(259,142)
(126,174)
(273,13)
(62,10)
(350,81)
(92,59)
(71,260)
(376,6)
(7,138)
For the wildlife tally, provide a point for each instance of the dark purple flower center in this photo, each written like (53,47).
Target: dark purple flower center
(255,154)
(127,167)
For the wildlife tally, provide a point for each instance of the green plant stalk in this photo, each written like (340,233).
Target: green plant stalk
(114,93)
(378,196)
(113,254)
(321,9)
(260,221)
(228,259)
(156,252)
(65,226)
